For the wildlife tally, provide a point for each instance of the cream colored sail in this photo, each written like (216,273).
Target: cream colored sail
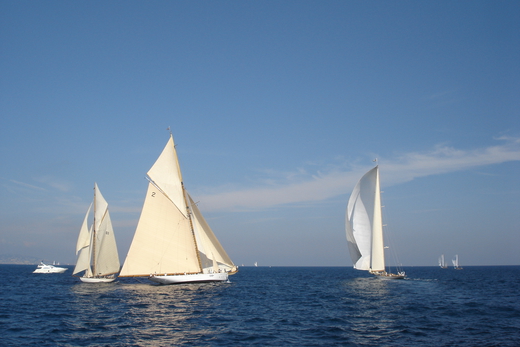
(364,225)
(166,174)
(82,246)
(163,242)
(212,254)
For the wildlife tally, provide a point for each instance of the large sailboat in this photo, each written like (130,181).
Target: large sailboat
(173,243)
(364,227)
(442,262)
(96,247)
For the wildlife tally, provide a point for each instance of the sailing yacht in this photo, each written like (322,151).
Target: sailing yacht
(364,227)
(456,262)
(442,262)
(96,247)
(173,243)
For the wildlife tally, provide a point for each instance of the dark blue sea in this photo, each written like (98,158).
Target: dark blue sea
(277,306)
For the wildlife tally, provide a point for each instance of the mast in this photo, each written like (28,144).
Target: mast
(93,247)
(377,258)
(188,209)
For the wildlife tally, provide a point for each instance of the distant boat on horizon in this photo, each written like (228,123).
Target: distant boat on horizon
(96,247)
(442,262)
(173,243)
(455,262)
(364,227)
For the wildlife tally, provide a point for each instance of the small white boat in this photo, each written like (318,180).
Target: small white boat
(49,269)
(364,226)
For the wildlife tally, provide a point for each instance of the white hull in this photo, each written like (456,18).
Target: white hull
(97,279)
(49,269)
(194,278)
(56,270)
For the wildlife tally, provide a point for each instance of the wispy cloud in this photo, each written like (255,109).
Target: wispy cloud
(27,185)
(55,183)
(317,187)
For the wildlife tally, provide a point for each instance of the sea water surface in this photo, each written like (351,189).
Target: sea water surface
(266,306)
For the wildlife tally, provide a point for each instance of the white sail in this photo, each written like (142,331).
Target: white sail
(82,246)
(84,234)
(456,262)
(172,242)
(364,224)
(96,248)
(107,257)
(442,261)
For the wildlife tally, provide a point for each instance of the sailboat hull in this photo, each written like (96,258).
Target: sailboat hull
(97,279)
(191,278)
(388,276)
(391,277)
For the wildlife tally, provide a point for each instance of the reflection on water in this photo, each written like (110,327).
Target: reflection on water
(144,314)
(375,316)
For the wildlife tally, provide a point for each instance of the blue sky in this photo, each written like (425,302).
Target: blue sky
(277,109)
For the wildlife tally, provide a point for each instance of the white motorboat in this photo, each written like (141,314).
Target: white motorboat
(49,269)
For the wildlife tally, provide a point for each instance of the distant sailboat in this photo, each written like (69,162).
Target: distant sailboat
(96,247)
(456,262)
(173,242)
(442,262)
(364,227)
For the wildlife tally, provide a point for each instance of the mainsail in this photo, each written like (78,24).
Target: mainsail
(364,224)
(96,247)
(172,237)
